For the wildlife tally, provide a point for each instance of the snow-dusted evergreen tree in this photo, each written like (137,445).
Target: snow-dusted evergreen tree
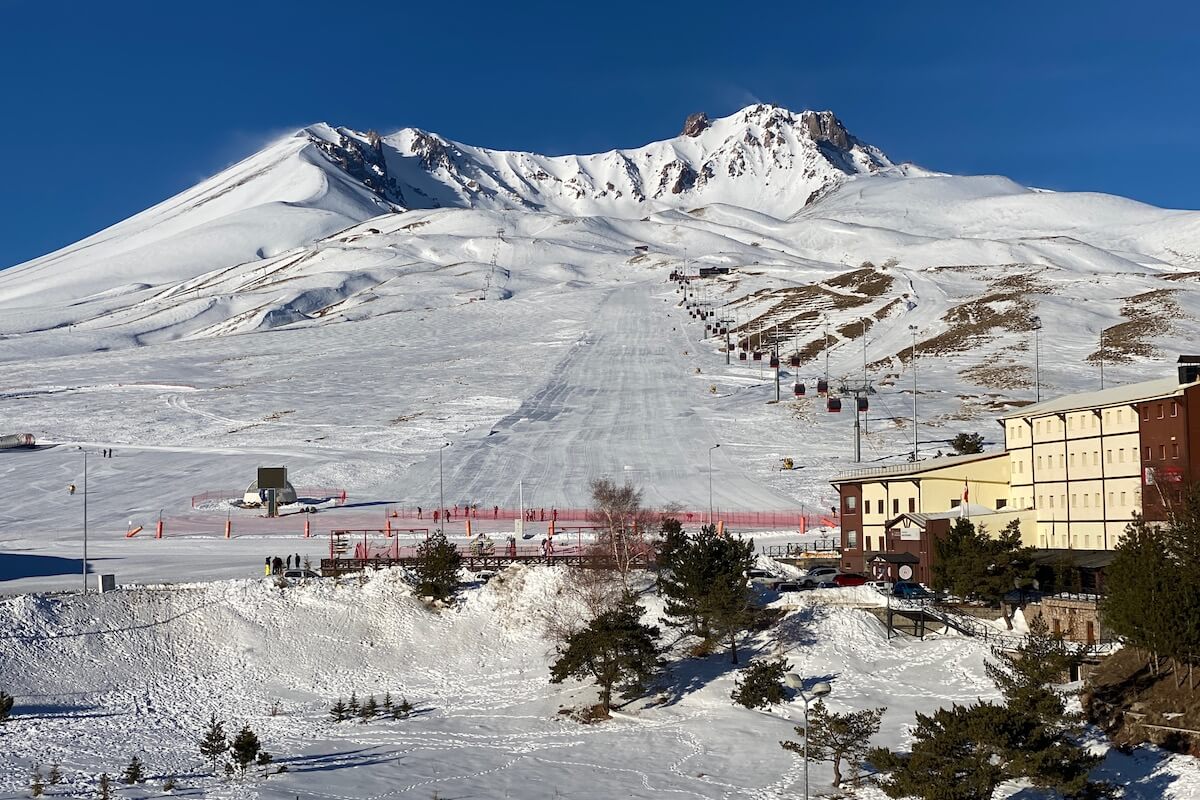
(135,772)
(214,743)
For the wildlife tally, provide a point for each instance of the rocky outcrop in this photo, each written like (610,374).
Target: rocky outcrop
(696,124)
(362,161)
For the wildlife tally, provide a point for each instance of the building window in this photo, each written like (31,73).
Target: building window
(1041,501)
(1039,427)
(1039,462)
(1062,500)
(852,538)
(895,505)
(1145,413)
(955,503)
(1095,458)
(879,506)
(1107,418)
(1175,450)
(1097,499)
(866,543)
(1110,498)
(1074,499)
(1072,459)
(1071,422)
(1052,501)
(1122,499)
(1085,501)
(851,503)
(1160,410)
(1174,409)
(1162,451)
(1001,504)
(1108,457)
(1148,456)
(1061,461)
(1121,454)
(912,505)
(1120,415)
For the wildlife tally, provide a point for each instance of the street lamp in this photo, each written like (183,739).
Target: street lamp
(710,503)
(442,490)
(85,494)
(1037,356)
(818,690)
(916,442)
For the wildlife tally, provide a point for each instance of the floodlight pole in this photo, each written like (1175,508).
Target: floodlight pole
(863,322)
(817,691)
(1102,359)
(442,490)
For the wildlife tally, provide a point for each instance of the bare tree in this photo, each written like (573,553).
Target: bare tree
(624,522)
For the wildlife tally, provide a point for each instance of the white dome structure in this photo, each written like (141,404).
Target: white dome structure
(284,497)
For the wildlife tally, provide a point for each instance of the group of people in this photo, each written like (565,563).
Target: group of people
(276,565)
(472,512)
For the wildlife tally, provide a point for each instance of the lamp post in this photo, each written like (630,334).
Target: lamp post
(916,441)
(1037,356)
(817,691)
(442,490)
(710,502)
(85,494)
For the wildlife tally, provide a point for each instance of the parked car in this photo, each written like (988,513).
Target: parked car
(791,586)
(762,577)
(910,591)
(300,573)
(883,587)
(818,575)
(849,579)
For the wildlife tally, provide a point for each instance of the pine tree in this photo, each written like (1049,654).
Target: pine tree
(105,786)
(704,586)
(615,648)
(953,756)
(403,710)
(761,684)
(338,711)
(837,737)
(135,772)
(244,749)
(965,444)
(6,705)
(972,564)
(353,707)
(214,745)
(369,709)
(36,786)
(55,776)
(435,573)
(387,701)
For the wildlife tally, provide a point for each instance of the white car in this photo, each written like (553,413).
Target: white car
(818,575)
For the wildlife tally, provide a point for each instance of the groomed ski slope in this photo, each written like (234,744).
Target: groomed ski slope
(101,678)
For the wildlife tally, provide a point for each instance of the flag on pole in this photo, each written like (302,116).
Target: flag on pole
(965,496)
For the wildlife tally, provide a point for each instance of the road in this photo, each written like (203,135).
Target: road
(620,404)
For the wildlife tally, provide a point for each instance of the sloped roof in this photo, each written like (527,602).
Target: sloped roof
(1103,398)
(913,468)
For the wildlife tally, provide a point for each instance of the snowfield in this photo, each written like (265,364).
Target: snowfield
(100,678)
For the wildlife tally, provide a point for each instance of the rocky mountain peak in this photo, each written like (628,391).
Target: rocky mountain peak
(696,124)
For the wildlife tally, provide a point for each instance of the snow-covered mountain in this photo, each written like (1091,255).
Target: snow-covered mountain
(322,179)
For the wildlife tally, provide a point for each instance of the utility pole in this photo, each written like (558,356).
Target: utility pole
(913,361)
(85,521)
(826,354)
(1102,359)
(863,322)
(710,495)
(1037,357)
(442,490)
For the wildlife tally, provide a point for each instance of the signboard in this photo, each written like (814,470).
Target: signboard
(910,534)
(906,572)
(1149,476)
(1171,474)
(272,477)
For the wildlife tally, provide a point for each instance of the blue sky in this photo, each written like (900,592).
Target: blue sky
(111,107)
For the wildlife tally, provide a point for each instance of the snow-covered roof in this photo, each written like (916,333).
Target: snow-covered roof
(1116,396)
(900,470)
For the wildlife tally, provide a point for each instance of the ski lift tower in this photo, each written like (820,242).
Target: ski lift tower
(859,389)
